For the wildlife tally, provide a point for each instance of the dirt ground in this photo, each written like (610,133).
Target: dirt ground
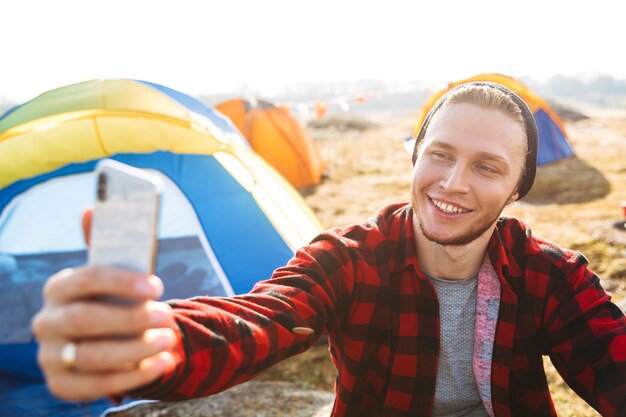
(574,202)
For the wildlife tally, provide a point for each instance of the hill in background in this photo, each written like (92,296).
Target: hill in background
(602,91)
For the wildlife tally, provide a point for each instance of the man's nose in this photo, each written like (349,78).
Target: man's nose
(455,179)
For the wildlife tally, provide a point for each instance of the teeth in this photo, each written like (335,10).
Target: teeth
(448,208)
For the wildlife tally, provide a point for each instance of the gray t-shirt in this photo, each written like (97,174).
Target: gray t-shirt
(456,391)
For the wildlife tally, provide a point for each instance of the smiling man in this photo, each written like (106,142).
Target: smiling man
(440,307)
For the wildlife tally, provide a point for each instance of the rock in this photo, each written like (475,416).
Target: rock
(622,305)
(251,399)
(613,233)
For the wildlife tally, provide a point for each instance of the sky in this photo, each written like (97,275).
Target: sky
(214,47)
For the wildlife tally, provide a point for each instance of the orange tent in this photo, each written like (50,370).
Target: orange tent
(553,141)
(278,137)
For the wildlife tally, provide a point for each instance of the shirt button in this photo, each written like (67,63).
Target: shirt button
(302,331)
(432,353)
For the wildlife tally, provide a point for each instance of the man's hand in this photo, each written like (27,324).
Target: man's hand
(90,347)
(118,347)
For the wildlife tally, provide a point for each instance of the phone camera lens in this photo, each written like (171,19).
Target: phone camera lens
(102,187)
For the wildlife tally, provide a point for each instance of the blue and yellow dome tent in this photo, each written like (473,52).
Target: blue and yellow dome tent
(553,143)
(228,219)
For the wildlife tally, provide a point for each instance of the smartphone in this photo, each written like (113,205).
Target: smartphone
(124,226)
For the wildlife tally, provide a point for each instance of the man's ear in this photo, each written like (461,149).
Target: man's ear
(512,198)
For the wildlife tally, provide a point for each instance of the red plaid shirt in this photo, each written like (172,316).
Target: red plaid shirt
(362,285)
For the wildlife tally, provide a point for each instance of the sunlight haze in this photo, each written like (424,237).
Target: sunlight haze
(206,47)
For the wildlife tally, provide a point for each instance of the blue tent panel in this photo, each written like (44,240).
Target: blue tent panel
(552,144)
(34,400)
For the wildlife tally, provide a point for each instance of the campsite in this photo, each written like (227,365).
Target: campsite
(364,162)
(271,122)
(575,201)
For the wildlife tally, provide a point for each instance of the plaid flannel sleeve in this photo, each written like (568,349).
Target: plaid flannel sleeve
(227,341)
(586,336)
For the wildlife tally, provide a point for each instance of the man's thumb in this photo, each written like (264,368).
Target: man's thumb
(87,219)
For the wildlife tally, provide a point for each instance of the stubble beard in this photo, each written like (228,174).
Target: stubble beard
(475,231)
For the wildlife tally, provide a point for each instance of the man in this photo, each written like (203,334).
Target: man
(438,307)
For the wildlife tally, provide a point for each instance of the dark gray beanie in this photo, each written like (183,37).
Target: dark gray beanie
(528,177)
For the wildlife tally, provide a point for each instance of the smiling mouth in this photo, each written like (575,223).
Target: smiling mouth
(448,208)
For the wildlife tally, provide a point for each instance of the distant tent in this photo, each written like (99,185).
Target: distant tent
(278,137)
(228,218)
(553,142)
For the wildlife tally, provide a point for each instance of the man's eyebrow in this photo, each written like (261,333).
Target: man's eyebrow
(444,145)
(489,156)
(492,157)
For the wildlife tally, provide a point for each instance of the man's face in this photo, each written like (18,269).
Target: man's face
(466,172)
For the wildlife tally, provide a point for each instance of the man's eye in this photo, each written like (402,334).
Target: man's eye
(487,168)
(440,155)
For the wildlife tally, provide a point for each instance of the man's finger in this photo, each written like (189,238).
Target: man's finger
(100,281)
(87,220)
(107,355)
(76,386)
(92,319)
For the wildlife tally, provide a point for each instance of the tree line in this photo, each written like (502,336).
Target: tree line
(600,90)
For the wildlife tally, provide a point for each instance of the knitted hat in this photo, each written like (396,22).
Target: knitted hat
(528,176)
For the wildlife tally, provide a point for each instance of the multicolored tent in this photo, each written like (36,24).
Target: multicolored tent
(278,137)
(228,219)
(553,142)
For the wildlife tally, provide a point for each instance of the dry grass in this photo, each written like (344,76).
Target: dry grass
(574,202)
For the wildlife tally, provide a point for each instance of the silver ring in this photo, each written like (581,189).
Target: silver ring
(68,355)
